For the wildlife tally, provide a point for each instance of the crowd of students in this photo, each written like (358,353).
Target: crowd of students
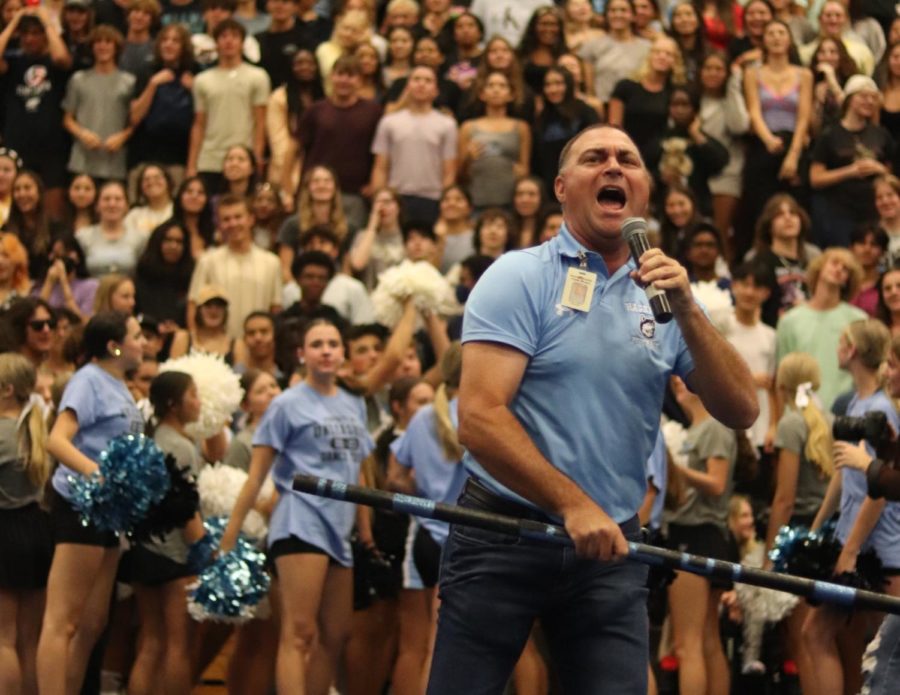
(234,177)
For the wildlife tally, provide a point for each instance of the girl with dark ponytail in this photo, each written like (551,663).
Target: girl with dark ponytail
(96,407)
(159,568)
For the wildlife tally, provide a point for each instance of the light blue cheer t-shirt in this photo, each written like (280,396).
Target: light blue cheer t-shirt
(437,478)
(315,435)
(104,408)
(885,537)
(591,395)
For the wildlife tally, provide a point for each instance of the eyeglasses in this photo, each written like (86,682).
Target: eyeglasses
(41,324)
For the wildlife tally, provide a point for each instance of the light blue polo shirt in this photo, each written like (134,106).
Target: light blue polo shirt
(437,478)
(592,392)
(657,471)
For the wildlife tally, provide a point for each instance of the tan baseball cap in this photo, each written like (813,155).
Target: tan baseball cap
(210,292)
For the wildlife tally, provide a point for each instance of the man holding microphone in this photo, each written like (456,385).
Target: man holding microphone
(564,370)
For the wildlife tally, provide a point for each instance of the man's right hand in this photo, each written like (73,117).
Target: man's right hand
(595,534)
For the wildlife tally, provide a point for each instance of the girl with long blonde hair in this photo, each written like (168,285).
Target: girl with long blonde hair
(318,203)
(26,541)
(426,460)
(805,465)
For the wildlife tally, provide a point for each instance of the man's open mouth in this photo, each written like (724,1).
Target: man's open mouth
(612,196)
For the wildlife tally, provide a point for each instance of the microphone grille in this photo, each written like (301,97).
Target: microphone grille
(632,226)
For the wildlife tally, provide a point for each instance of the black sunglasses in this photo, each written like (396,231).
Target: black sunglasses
(41,324)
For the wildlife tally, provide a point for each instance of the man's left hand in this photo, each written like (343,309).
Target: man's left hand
(665,273)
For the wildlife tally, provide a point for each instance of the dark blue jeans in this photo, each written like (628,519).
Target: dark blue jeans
(493,587)
(881,663)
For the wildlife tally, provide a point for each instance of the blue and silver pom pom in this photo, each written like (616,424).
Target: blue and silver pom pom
(805,553)
(813,555)
(132,478)
(232,587)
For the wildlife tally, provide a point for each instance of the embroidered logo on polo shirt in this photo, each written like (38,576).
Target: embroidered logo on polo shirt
(638,308)
(646,332)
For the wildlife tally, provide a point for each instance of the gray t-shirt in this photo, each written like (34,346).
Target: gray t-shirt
(16,489)
(612,61)
(187,456)
(240,450)
(99,102)
(707,439)
(457,248)
(791,435)
(104,255)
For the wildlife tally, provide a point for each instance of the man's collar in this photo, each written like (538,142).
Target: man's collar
(567,245)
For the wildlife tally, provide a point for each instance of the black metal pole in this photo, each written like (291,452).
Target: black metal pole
(814,590)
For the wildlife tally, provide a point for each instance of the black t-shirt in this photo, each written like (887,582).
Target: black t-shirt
(675,151)
(277,49)
(317,30)
(164,134)
(81,52)
(838,147)
(112,13)
(550,134)
(738,46)
(33,90)
(790,284)
(190,14)
(646,113)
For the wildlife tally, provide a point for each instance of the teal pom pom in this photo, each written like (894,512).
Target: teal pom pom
(232,587)
(132,478)
(805,553)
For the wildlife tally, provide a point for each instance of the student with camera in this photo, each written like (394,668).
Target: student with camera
(883,478)
(882,657)
(864,522)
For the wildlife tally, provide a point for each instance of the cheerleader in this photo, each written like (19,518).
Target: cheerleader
(95,408)
(251,668)
(26,540)
(803,442)
(699,526)
(159,569)
(882,658)
(372,647)
(864,522)
(315,428)
(425,461)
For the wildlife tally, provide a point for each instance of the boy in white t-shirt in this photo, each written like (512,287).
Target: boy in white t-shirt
(755,341)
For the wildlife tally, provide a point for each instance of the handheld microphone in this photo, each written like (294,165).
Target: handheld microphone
(634,231)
